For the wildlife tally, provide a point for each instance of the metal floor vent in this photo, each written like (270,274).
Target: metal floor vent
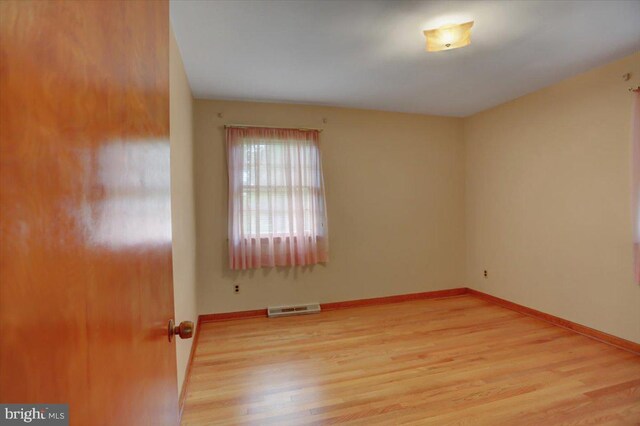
(283,311)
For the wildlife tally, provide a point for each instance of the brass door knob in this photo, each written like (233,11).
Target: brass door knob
(184,330)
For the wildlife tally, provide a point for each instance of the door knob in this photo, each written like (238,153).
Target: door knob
(184,330)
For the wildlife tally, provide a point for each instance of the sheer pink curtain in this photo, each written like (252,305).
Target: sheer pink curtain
(635,140)
(277,212)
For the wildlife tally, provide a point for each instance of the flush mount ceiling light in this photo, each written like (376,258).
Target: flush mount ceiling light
(449,37)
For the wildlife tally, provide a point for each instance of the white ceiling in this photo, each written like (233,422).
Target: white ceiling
(370,54)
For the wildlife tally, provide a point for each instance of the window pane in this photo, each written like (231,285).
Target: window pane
(271,202)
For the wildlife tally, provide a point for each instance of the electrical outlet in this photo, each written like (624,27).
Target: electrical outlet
(486,274)
(236,288)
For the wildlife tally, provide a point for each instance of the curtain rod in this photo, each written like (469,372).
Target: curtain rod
(244,126)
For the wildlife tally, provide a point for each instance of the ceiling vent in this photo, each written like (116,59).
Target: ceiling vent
(283,311)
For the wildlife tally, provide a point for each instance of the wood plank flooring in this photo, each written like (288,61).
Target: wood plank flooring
(459,360)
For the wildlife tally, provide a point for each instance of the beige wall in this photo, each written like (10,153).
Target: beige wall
(182,203)
(544,205)
(395,198)
(548,201)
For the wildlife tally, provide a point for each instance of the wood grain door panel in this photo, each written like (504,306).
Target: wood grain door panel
(85,243)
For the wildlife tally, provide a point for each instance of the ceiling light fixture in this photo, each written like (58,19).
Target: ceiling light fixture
(448,37)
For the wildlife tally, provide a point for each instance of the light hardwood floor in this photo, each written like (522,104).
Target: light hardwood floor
(458,360)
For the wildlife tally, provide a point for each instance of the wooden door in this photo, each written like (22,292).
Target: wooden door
(85,253)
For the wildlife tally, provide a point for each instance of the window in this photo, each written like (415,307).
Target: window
(277,213)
